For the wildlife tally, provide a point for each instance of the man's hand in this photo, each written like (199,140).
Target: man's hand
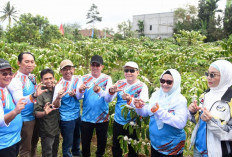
(72,93)
(61,93)
(139,103)
(20,105)
(113,89)
(126,96)
(83,87)
(48,108)
(96,88)
(39,90)
(193,108)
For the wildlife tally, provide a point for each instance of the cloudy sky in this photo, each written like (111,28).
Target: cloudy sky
(112,12)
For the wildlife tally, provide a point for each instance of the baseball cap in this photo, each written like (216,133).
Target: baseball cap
(98,59)
(65,63)
(131,64)
(4,64)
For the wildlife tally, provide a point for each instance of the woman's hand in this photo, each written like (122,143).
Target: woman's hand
(193,108)
(206,116)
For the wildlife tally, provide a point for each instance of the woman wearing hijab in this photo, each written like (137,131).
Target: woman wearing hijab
(213,130)
(167,109)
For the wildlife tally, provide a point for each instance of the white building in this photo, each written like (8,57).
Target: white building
(155,25)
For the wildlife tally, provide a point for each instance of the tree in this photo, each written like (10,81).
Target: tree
(1,32)
(124,28)
(72,31)
(35,30)
(93,15)
(228,18)
(141,28)
(9,12)
(206,14)
(108,30)
(186,19)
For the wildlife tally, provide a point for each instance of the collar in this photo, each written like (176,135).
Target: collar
(20,73)
(227,96)
(3,88)
(67,80)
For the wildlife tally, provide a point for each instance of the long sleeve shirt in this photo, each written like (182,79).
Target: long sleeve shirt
(136,90)
(9,135)
(95,105)
(70,105)
(23,86)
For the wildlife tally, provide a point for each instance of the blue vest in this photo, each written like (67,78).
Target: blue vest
(10,135)
(70,106)
(95,109)
(28,88)
(134,90)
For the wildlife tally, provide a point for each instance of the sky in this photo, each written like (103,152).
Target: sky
(112,12)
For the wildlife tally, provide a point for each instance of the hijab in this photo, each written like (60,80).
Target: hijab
(215,93)
(166,99)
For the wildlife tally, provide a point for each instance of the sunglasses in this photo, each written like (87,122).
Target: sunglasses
(7,73)
(95,65)
(169,82)
(211,75)
(129,70)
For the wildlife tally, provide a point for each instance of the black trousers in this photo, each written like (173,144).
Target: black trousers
(11,151)
(116,149)
(155,153)
(86,136)
(50,145)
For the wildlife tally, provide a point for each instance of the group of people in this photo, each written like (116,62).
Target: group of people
(29,111)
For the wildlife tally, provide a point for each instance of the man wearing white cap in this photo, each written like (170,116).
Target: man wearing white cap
(126,90)
(70,120)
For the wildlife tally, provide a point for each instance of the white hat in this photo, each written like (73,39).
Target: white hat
(65,63)
(131,64)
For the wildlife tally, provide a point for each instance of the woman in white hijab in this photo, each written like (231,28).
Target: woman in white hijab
(167,109)
(213,130)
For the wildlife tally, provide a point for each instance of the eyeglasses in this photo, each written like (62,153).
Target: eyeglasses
(169,82)
(129,70)
(211,75)
(7,73)
(95,65)
(67,69)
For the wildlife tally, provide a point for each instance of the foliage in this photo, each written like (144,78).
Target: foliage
(228,19)
(109,30)
(1,32)
(227,46)
(152,56)
(125,28)
(206,14)
(185,18)
(34,30)
(141,28)
(72,31)
(93,15)
(118,36)
(9,12)
(189,38)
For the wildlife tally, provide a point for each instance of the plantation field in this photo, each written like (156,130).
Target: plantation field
(191,59)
